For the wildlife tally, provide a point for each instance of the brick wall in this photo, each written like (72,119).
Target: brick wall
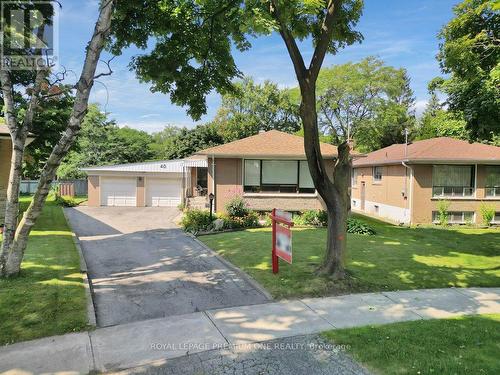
(424,203)
(5,155)
(93,191)
(228,182)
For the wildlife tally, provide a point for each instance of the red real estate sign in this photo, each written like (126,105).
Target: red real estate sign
(282,238)
(284,243)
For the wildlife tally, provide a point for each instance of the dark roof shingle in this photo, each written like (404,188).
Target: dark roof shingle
(434,149)
(272,143)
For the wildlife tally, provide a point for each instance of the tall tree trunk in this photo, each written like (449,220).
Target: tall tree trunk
(334,189)
(19,134)
(15,252)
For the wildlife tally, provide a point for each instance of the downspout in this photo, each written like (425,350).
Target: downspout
(410,196)
(213,181)
(184,185)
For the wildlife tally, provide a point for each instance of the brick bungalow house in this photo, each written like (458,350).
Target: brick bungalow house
(269,169)
(404,183)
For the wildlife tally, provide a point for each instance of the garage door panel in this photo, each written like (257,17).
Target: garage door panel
(163,192)
(118,192)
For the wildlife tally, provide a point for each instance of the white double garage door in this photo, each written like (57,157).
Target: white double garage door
(123,191)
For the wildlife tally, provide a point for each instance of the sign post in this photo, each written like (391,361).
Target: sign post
(282,237)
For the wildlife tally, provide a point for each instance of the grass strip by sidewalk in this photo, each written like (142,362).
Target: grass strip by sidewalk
(48,297)
(396,258)
(464,345)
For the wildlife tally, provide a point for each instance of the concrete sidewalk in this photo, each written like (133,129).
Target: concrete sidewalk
(158,340)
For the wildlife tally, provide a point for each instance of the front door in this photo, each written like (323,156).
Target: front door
(363,192)
(202,180)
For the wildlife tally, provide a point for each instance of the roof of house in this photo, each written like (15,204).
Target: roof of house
(4,130)
(272,143)
(161,166)
(441,149)
(5,133)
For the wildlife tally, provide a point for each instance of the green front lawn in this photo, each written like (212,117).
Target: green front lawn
(395,258)
(465,345)
(48,298)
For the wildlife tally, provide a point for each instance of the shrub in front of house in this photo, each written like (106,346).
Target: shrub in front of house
(317,218)
(237,207)
(65,201)
(356,226)
(250,220)
(487,213)
(195,221)
(238,215)
(443,214)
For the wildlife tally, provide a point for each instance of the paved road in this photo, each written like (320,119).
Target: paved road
(141,266)
(309,354)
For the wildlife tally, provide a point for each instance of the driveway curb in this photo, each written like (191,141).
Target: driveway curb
(91,315)
(231,266)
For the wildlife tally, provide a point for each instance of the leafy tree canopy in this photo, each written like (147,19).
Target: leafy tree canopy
(436,121)
(188,45)
(367,101)
(470,54)
(178,143)
(102,142)
(48,123)
(192,40)
(256,107)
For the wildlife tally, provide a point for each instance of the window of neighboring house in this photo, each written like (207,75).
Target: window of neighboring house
(453,180)
(377,174)
(279,176)
(492,183)
(455,217)
(354,177)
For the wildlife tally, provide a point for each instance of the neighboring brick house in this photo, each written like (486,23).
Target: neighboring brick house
(5,158)
(404,183)
(5,154)
(269,169)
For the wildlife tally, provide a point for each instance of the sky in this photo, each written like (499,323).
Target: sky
(402,33)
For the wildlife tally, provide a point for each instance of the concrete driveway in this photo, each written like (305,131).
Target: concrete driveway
(141,266)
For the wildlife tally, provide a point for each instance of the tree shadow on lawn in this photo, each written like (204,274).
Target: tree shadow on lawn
(425,257)
(395,258)
(463,345)
(48,296)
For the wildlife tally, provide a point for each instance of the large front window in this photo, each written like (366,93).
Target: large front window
(453,180)
(492,184)
(278,176)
